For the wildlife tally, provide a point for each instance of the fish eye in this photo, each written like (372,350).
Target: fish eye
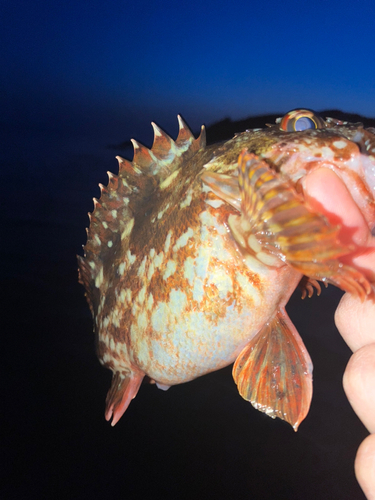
(298,120)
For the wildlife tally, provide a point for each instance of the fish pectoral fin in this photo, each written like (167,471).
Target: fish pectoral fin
(307,286)
(333,271)
(284,226)
(224,186)
(274,371)
(123,389)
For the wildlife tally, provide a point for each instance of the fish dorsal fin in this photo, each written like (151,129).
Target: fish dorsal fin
(274,371)
(112,219)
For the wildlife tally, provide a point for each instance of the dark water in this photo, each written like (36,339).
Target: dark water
(198,440)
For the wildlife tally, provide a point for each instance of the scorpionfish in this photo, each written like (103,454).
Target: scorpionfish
(193,252)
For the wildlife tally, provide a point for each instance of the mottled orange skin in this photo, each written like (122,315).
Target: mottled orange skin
(173,290)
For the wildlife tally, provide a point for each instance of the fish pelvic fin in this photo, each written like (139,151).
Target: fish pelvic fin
(274,371)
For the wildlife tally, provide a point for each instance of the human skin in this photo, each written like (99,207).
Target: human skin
(354,319)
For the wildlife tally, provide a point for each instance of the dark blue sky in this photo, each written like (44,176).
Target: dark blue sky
(106,69)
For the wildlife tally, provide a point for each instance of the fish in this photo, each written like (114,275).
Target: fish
(193,252)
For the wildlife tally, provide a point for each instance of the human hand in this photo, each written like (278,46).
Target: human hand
(354,319)
(356,323)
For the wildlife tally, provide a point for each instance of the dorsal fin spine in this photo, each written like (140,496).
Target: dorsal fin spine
(96,203)
(143,156)
(184,134)
(201,140)
(162,141)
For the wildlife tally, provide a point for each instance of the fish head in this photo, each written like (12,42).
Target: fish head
(268,188)
(303,142)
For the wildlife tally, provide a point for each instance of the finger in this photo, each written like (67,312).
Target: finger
(356,320)
(326,193)
(365,466)
(359,384)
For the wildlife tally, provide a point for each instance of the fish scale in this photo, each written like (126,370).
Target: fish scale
(184,272)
